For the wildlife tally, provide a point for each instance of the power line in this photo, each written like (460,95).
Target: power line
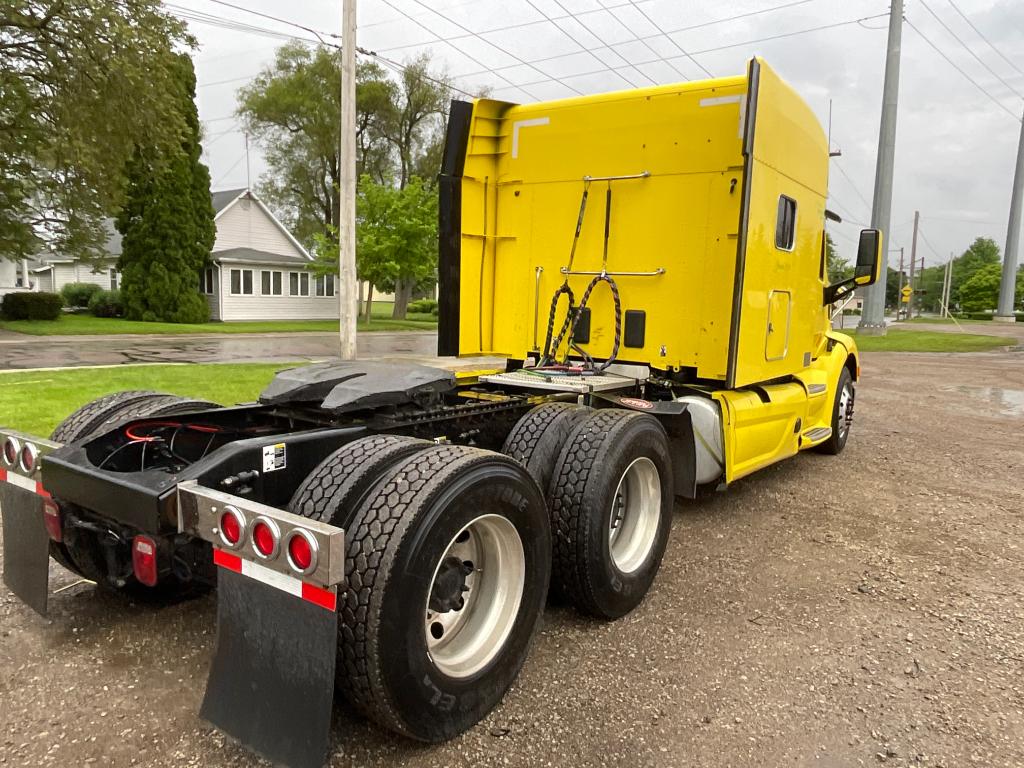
(969,50)
(979,33)
(479,37)
(552,19)
(928,243)
(644,43)
(220,21)
(678,47)
(783,35)
(607,47)
(583,48)
(958,69)
(227,173)
(853,185)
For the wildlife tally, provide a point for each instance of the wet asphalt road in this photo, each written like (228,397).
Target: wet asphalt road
(22,352)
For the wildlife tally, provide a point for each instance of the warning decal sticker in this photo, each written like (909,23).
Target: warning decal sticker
(273,457)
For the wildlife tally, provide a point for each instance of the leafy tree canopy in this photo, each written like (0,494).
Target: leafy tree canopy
(292,110)
(81,84)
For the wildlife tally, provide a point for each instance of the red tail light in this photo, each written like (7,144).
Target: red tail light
(265,538)
(232,526)
(51,518)
(11,450)
(29,454)
(302,552)
(144,560)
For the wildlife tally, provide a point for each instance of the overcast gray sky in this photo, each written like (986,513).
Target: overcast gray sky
(955,148)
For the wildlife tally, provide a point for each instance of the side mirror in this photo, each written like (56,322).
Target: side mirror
(867,270)
(869,257)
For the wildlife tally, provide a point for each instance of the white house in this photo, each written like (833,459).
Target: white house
(260,271)
(53,271)
(14,276)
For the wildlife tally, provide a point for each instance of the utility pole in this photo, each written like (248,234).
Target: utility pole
(872,321)
(947,285)
(1004,312)
(899,293)
(348,298)
(248,178)
(913,259)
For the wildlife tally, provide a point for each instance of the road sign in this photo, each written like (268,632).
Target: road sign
(907,291)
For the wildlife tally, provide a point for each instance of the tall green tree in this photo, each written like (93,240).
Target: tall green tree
(981,292)
(836,267)
(292,109)
(80,85)
(167,220)
(981,253)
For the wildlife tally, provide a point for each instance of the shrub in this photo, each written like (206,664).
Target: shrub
(32,306)
(423,306)
(79,294)
(106,304)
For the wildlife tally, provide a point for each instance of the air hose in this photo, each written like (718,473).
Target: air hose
(575,313)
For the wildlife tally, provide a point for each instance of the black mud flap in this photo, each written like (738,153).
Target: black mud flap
(26,546)
(271,685)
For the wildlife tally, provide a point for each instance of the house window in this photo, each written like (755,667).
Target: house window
(270,283)
(298,283)
(785,226)
(325,285)
(241,282)
(114,279)
(205,281)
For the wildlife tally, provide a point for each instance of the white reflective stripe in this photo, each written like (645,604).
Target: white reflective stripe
(261,573)
(719,100)
(524,124)
(21,481)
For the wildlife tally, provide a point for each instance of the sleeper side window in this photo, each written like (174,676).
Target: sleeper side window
(785,226)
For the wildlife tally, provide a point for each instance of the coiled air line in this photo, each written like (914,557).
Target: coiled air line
(575,313)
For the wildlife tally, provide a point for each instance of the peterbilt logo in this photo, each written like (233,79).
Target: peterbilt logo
(635,402)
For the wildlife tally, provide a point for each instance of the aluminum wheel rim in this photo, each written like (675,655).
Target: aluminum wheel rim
(636,513)
(461,642)
(845,409)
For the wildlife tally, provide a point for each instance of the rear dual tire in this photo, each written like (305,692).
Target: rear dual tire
(611,506)
(447,569)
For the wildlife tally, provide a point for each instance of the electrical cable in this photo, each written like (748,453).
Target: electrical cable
(969,49)
(745,43)
(678,47)
(982,36)
(958,69)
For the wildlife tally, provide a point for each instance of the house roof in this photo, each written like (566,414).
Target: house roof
(232,196)
(252,256)
(224,198)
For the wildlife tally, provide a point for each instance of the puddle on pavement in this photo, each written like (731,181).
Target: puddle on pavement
(1008,401)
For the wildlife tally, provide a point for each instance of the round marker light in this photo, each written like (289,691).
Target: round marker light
(11,450)
(29,454)
(265,538)
(302,552)
(232,526)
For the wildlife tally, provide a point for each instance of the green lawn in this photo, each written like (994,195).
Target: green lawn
(898,340)
(80,325)
(36,401)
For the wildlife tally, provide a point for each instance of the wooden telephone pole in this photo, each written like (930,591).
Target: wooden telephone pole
(348,289)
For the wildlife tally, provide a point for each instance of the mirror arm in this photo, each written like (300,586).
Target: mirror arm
(838,291)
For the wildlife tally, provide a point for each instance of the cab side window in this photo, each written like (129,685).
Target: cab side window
(785,226)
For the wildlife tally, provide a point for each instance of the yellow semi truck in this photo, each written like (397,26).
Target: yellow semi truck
(651,266)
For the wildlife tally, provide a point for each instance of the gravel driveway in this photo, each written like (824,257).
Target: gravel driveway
(826,612)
